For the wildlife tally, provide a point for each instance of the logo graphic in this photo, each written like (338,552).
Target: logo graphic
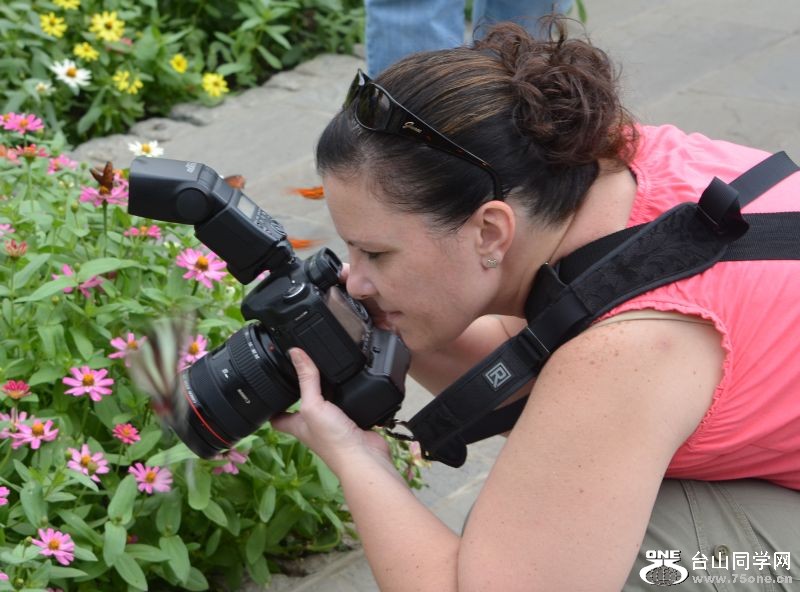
(497,375)
(663,569)
(190,166)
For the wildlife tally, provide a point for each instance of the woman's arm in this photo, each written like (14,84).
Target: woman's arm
(567,503)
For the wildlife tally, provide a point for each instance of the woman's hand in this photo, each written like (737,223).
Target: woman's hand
(321,425)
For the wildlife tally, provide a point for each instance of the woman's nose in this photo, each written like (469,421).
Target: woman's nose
(358,285)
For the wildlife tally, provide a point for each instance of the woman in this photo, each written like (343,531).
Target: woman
(452,183)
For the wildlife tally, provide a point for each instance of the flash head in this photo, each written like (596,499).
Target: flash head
(228,222)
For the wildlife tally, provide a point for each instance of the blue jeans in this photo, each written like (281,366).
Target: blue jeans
(396,28)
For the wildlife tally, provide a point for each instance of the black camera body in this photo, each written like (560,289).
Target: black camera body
(242,383)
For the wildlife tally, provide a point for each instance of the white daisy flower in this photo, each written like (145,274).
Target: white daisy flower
(146,148)
(43,87)
(69,73)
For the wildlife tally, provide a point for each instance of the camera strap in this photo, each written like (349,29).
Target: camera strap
(568,296)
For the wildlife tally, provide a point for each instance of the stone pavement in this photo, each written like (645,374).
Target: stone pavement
(726,68)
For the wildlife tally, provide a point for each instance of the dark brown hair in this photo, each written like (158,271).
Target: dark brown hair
(541,112)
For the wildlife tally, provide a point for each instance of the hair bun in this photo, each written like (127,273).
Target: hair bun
(567,95)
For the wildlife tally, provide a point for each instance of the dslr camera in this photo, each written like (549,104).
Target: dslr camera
(239,385)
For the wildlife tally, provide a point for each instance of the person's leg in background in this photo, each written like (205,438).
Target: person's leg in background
(523,12)
(396,28)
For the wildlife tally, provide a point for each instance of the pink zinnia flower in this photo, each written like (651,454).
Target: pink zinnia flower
(6,229)
(15,419)
(62,161)
(85,287)
(56,544)
(234,458)
(151,478)
(31,151)
(16,389)
(34,434)
(125,346)
(17,250)
(117,196)
(4,491)
(87,463)
(204,267)
(151,231)
(85,381)
(194,350)
(3,577)
(23,123)
(126,433)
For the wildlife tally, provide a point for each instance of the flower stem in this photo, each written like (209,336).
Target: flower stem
(105,227)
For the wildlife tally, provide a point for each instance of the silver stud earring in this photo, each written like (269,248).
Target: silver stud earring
(490,263)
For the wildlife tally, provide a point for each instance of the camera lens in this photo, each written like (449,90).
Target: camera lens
(233,390)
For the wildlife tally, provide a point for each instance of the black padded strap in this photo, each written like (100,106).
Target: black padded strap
(749,185)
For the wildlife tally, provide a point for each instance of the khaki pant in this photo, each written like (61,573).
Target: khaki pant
(731,536)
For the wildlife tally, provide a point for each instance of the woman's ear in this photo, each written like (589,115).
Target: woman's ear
(494,224)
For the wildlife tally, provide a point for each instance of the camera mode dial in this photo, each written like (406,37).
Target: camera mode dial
(295,292)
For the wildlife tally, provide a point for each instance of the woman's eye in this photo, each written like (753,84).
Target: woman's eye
(372,255)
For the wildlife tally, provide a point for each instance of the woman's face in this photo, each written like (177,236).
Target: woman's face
(420,282)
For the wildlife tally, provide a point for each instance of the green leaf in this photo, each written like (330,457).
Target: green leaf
(79,526)
(51,336)
(46,374)
(48,289)
(20,554)
(327,478)
(148,440)
(214,513)
(21,277)
(256,543)
(93,113)
(114,542)
(175,549)
(282,523)
(200,487)
(130,571)
(259,571)
(82,343)
(197,581)
(101,266)
(121,507)
(33,504)
(213,542)
(84,554)
(177,453)
(56,571)
(266,505)
(168,516)
(147,553)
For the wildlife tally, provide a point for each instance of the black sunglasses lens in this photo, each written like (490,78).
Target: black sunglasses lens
(374,108)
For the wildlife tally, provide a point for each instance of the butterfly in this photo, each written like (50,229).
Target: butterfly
(104,177)
(155,367)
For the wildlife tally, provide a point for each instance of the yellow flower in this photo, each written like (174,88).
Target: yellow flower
(122,80)
(86,51)
(107,26)
(179,63)
(52,25)
(67,4)
(135,86)
(214,84)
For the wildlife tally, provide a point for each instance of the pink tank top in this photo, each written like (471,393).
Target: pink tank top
(752,428)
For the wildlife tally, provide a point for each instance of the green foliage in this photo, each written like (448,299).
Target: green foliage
(283,501)
(143,57)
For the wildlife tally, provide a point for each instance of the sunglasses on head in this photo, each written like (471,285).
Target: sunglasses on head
(376,110)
